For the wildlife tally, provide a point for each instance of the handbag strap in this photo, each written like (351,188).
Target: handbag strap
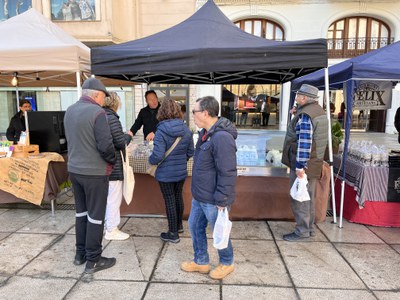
(170,149)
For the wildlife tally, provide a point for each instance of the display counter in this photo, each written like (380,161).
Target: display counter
(33,179)
(365,195)
(369,183)
(262,191)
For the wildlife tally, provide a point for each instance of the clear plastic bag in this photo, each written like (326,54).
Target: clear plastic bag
(299,190)
(222,230)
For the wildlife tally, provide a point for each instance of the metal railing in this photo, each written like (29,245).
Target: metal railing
(351,47)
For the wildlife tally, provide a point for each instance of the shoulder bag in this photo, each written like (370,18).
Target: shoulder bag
(151,170)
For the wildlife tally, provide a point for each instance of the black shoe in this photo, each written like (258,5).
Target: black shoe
(102,264)
(180,229)
(170,237)
(293,237)
(79,259)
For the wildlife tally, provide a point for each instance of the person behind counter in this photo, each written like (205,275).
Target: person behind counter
(213,184)
(303,152)
(17,122)
(114,198)
(172,172)
(147,117)
(397,123)
(91,157)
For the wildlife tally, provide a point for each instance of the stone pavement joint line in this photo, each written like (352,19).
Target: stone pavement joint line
(356,261)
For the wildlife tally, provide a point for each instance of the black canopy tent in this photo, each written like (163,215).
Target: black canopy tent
(208,48)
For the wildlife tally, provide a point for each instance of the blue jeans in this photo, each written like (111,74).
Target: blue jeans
(200,215)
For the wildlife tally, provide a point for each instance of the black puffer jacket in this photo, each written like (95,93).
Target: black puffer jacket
(120,140)
(17,124)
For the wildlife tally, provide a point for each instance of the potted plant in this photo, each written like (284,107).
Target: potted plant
(337,136)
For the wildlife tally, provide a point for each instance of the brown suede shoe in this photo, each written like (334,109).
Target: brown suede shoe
(221,271)
(191,266)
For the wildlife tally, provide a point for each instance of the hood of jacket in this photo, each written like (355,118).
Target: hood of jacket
(173,127)
(223,124)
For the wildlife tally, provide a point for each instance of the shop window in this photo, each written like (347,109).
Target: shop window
(353,36)
(75,10)
(246,105)
(177,92)
(12,8)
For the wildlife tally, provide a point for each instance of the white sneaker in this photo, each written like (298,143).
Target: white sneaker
(116,235)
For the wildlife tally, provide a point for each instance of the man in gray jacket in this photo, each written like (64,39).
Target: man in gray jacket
(91,157)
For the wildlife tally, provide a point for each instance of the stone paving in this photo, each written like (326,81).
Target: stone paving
(355,262)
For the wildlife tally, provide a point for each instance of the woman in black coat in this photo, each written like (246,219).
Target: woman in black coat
(114,198)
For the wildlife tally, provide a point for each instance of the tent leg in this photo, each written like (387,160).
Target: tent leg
(78,84)
(17,97)
(341,204)
(333,196)
(328,115)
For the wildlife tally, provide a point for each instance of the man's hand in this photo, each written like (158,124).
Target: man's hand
(130,133)
(300,173)
(150,136)
(293,110)
(220,208)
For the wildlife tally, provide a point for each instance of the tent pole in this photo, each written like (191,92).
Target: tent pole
(78,84)
(341,203)
(17,97)
(348,87)
(328,114)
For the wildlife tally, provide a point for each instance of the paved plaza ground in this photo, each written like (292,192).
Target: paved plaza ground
(353,262)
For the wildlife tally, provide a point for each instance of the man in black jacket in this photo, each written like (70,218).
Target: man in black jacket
(147,117)
(397,122)
(17,122)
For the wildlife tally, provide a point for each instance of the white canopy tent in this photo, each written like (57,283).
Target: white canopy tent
(40,53)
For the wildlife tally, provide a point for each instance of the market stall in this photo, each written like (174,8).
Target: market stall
(261,191)
(33,179)
(380,65)
(208,48)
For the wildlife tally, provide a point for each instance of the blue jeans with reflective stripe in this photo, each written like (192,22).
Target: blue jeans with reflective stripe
(202,214)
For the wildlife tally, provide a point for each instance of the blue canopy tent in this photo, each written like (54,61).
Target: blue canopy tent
(382,64)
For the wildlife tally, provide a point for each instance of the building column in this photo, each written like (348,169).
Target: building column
(284,107)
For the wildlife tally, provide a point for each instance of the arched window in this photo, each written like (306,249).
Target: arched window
(354,36)
(262,28)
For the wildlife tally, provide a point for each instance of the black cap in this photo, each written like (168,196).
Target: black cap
(94,84)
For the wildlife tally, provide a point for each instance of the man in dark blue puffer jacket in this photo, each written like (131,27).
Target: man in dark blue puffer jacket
(213,184)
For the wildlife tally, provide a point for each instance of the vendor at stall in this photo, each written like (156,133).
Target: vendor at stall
(147,117)
(17,122)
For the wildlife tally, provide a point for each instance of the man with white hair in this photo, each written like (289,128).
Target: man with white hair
(303,151)
(91,157)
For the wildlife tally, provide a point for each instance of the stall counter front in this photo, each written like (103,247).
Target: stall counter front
(32,179)
(365,195)
(265,195)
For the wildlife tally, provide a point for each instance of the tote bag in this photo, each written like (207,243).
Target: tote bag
(129,179)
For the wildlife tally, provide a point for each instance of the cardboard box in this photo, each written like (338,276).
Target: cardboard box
(25,151)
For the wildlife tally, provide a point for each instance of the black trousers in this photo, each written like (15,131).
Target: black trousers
(90,204)
(265,118)
(172,193)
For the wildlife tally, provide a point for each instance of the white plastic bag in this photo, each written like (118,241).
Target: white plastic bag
(129,178)
(299,190)
(222,230)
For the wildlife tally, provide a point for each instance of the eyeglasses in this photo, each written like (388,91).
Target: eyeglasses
(195,111)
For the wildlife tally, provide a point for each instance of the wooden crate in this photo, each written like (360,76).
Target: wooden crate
(25,151)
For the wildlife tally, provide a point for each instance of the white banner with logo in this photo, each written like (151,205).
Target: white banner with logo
(374,95)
